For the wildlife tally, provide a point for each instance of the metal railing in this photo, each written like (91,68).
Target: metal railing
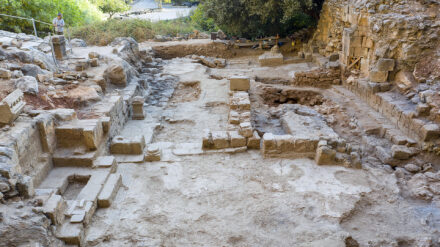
(29,19)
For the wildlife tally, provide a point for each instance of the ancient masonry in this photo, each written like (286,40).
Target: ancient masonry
(361,93)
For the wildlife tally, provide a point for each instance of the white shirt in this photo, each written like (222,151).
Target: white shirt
(59,24)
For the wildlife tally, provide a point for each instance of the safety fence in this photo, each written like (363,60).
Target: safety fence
(36,35)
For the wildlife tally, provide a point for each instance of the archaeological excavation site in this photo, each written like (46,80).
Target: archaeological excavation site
(330,140)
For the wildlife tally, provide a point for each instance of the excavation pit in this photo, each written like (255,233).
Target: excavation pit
(74,186)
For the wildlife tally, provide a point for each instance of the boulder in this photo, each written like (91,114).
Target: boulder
(378,76)
(385,64)
(27,84)
(115,74)
(78,43)
(5,74)
(401,152)
(405,78)
(31,70)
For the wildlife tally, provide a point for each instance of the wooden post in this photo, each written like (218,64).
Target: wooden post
(35,29)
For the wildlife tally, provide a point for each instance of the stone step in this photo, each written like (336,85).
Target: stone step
(68,157)
(71,233)
(88,133)
(127,145)
(109,190)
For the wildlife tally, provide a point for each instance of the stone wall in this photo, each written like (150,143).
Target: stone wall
(321,77)
(365,31)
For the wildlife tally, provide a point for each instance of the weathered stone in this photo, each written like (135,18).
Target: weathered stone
(27,84)
(94,62)
(11,107)
(401,152)
(412,168)
(430,132)
(385,64)
(220,139)
(325,155)
(271,59)
(246,129)
(138,108)
(54,208)
(82,65)
(121,145)
(405,78)
(93,55)
(115,74)
(5,74)
(105,162)
(154,153)
(109,190)
(236,139)
(378,76)
(239,83)
(59,46)
(253,142)
(31,70)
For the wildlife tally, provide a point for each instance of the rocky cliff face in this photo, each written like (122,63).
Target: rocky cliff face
(365,31)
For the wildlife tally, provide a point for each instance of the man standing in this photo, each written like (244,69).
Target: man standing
(58,23)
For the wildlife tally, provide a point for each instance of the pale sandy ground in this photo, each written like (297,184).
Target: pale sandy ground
(243,199)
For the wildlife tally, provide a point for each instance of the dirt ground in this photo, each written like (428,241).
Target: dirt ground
(243,199)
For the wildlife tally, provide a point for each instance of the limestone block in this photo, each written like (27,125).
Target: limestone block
(106,124)
(138,108)
(94,62)
(423,109)
(71,233)
(115,74)
(93,55)
(239,83)
(430,132)
(5,74)
(220,139)
(11,107)
(54,208)
(271,59)
(378,76)
(154,153)
(246,129)
(234,117)
(284,143)
(385,64)
(59,46)
(240,101)
(236,140)
(405,78)
(79,217)
(109,190)
(325,155)
(367,42)
(253,142)
(245,116)
(122,145)
(82,65)
(269,143)
(207,141)
(46,127)
(106,162)
(92,134)
(401,152)
(44,77)
(306,144)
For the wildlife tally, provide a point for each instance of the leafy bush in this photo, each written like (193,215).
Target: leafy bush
(201,20)
(255,18)
(76,12)
(104,32)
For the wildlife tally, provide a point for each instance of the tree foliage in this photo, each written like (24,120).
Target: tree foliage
(201,21)
(112,7)
(76,12)
(255,18)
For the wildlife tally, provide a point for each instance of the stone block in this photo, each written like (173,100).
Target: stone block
(82,65)
(239,83)
(207,141)
(240,101)
(430,132)
(5,74)
(220,139)
(246,129)
(94,55)
(405,79)
(401,152)
(325,155)
(46,127)
(234,117)
(236,140)
(154,153)
(122,145)
(367,42)
(59,46)
(92,135)
(378,76)
(78,218)
(54,209)
(109,190)
(72,234)
(268,143)
(11,107)
(272,59)
(94,62)
(385,64)
(284,143)
(138,108)
(106,124)
(106,162)
(253,142)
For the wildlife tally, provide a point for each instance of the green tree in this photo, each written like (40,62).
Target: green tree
(201,20)
(112,7)
(254,18)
